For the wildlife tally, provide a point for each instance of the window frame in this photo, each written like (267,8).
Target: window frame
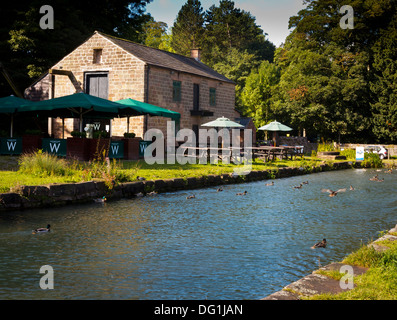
(176,91)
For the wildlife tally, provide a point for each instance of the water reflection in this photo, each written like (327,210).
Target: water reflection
(216,246)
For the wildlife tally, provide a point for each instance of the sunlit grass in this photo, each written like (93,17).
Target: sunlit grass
(378,283)
(43,169)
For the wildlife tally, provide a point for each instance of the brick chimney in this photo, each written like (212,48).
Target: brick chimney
(195,54)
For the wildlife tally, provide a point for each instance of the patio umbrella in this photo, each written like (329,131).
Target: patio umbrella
(222,123)
(10,105)
(74,106)
(135,107)
(275,126)
(131,107)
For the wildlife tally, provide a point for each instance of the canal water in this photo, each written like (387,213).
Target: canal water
(215,246)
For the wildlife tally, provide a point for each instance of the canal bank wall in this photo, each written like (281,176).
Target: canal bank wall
(52,195)
(317,283)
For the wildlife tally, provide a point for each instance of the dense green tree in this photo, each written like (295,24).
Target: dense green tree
(257,95)
(326,70)
(188,28)
(27,50)
(384,84)
(228,27)
(155,35)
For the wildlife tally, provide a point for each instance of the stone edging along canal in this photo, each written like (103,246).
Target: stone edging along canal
(29,197)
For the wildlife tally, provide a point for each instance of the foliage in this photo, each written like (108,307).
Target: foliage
(109,171)
(384,84)
(33,132)
(78,134)
(43,164)
(350,154)
(257,94)
(372,160)
(230,27)
(378,283)
(155,35)
(29,51)
(231,42)
(129,135)
(188,29)
(100,134)
(327,146)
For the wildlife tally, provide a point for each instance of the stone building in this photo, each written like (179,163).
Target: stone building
(115,69)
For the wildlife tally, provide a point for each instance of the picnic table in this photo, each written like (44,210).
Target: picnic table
(224,154)
(271,153)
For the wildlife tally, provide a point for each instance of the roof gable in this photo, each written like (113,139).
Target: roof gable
(165,59)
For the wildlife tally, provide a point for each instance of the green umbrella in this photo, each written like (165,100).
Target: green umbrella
(135,107)
(275,126)
(74,106)
(223,123)
(10,105)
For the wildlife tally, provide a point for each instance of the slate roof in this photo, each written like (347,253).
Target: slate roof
(165,59)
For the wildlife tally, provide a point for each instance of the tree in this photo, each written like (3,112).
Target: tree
(384,85)
(28,50)
(228,27)
(188,28)
(156,36)
(257,95)
(326,71)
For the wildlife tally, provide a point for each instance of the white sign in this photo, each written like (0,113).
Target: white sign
(359,153)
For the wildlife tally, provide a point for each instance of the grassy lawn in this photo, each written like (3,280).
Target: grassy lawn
(15,171)
(378,283)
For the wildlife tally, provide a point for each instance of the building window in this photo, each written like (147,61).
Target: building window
(212,97)
(196,96)
(97,56)
(176,91)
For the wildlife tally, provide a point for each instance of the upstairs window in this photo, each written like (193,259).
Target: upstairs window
(212,97)
(176,91)
(97,58)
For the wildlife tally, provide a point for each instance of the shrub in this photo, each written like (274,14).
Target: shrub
(33,132)
(372,160)
(78,134)
(327,146)
(44,164)
(100,134)
(350,154)
(129,135)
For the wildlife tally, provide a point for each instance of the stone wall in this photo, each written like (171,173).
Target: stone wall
(28,197)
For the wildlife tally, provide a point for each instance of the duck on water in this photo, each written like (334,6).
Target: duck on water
(41,230)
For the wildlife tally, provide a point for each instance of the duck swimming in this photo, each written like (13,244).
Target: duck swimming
(219,190)
(100,200)
(191,197)
(374,178)
(241,194)
(298,187)
(321,244)
(333,193)
(41,230)
(270,184)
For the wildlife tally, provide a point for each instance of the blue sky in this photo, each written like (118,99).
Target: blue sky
(271,15)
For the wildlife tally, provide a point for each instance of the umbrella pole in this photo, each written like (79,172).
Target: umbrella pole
(12,126)
(81,120)
(128,124)
(63,128)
